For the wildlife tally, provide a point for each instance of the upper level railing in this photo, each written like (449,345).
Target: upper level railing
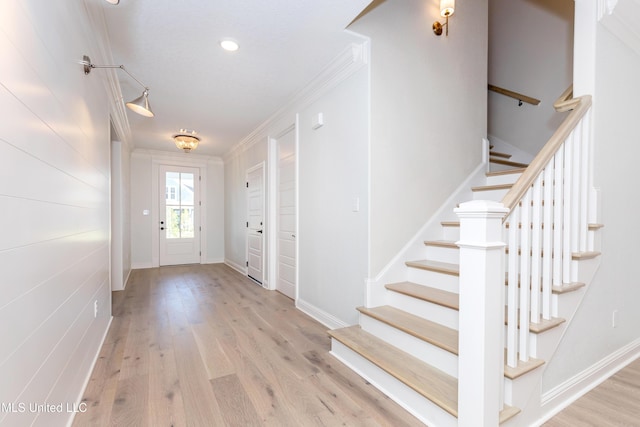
(547,225)
(515,95)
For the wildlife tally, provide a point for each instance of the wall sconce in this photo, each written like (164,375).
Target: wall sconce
(139,105)
(186,140)
(447,7)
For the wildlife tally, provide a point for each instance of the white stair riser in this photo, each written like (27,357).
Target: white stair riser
(420,407)
(495,195)
(451,233)
(425,309)
(438,253)
(433,279)
(509,178)
(429,353)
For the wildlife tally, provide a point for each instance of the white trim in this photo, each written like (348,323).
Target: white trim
(564,394)
(90,372)
(178,158)
(237,267)
(215,261)
(343,66)
(320,315)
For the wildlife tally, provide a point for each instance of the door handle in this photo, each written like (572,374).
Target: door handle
(259,231)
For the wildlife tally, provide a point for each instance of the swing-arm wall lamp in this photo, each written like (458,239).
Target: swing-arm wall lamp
(139,105)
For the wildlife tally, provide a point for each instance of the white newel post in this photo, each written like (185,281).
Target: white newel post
(481,330)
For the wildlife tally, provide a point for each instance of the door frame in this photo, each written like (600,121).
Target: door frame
(173,160)
(265,235)
(274,161)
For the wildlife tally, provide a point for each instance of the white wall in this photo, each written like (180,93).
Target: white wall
(120,214)
(428,113)
(530,52)
(54,207)
(591,338)
(332,164)
(333,177)
(144,228)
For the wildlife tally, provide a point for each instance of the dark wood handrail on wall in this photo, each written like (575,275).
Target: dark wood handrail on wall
(515,95)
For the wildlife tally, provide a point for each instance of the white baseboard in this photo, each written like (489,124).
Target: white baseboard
(564,394)
(328,320)
(88,378)
(142,265)
(237,267)
(215,261)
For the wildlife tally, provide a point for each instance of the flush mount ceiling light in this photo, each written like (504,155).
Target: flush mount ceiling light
(186,140)
(229,45)
(113,1)
(139,105)
(447,8)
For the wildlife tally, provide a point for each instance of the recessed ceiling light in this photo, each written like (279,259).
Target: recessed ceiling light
(229,45)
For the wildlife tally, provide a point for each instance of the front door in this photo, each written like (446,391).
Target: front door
(255,223)
(179,215)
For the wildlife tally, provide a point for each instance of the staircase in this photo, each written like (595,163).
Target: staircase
(408,345)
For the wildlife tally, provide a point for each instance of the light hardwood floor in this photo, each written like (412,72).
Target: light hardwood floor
(614,403)
(204,346)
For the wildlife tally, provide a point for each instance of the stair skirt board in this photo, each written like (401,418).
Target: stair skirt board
(429,353)
(420,407)
(425,309)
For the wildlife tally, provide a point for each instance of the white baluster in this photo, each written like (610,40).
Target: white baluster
(536,248)
(566,229)
(525,277)
(512,290)
(558,216)
(547,239)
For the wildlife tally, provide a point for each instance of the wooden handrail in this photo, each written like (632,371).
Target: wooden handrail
(512,198)
(566,101)
(520,97)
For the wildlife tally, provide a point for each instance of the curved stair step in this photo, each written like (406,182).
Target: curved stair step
(505,172)
(429,382)
(426,293)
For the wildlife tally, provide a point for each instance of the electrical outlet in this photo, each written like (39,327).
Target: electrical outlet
(95,309)
(614,319)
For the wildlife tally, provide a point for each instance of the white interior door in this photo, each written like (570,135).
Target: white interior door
(255,223)
(179,215)
(286,247)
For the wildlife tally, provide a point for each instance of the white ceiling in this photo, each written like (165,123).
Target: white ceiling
(173,48)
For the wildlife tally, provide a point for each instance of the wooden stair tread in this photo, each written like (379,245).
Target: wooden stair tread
(584,255)
(436,266)
(505,172)
(506,162)
(542,326)
(567,287)
(450,223)
(423,329)
(499,154)
(426,293)
(442,243)
(429,382)
(522,368)
(594,227)
(492,187)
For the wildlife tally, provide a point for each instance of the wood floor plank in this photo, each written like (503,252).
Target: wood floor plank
(203,341)
(236,406)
